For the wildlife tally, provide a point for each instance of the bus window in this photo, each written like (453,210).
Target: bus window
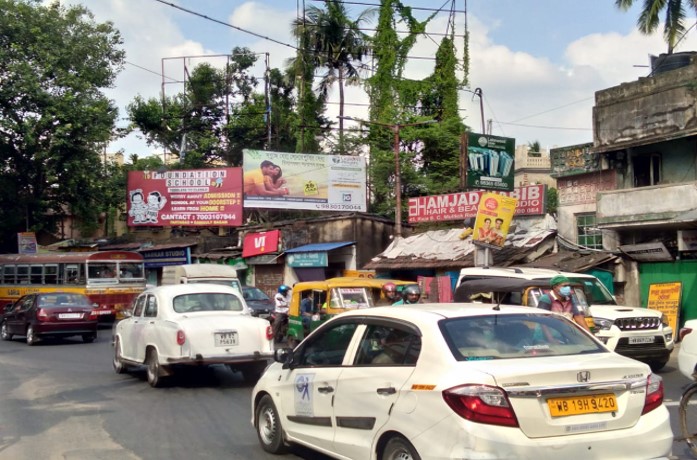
(131,270)
(22,274)
(71,274)
(8,274)
(50,274)
(36,274)
(101,270)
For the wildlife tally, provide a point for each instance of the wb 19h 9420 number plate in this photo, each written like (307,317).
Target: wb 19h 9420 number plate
(561,407)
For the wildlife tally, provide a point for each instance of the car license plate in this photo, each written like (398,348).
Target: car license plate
(577,405)
(103,312)
(69,315)
(638,340)
(225,339)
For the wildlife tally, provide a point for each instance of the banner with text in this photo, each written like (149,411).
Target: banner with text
(493,219)
(490,162)
(258,243)
(194,197)
(304,181)
(463,205)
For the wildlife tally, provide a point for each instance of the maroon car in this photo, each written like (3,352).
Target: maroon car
(49,314)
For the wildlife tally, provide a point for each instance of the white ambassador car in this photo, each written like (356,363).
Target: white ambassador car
(687,353)
(191,324)
(441,381)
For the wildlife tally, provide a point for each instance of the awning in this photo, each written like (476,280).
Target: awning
(319,247)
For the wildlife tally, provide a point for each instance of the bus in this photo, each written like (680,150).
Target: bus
(110,279)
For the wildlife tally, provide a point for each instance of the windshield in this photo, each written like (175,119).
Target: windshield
(515,336)
(350,298)
(63,298)
(220,282)
(188,303)
(596,292)
(254,294)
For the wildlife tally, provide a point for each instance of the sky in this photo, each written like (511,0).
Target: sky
(538,63)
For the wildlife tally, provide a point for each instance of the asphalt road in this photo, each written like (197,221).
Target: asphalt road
(62,401)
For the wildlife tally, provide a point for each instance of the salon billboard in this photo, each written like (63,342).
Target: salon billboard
(193,197)
(304,181)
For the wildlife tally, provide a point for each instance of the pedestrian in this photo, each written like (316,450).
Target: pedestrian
(560,300)
(281,307)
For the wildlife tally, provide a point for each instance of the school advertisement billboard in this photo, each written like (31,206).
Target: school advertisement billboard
(304,181)
(193,197)
(490,162)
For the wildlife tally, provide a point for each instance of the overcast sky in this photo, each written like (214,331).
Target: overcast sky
(537,62)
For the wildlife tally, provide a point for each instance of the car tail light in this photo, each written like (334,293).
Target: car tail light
(481,404)
(93,314)
(654,393)
(684,331)
(269,332)
(41,315)
(181,337)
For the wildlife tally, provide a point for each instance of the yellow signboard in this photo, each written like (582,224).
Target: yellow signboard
(665,297)
(493,219)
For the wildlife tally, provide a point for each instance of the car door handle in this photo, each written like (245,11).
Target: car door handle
(327,389)
(387,391)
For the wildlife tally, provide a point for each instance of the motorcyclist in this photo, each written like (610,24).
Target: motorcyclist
(389,292)
(282,304)
(410,295)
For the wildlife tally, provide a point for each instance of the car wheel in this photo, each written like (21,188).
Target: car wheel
(657,365)
(399,448)
(89,338)
(269,429)
(252,372)
(5,332)
(32,338)
(117,363)
(153,369)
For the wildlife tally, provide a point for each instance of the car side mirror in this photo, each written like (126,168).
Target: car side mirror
(8,307)
(284,356)
(126,313)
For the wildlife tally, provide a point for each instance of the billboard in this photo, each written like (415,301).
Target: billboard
(494,216)
(463,205)
(193,197)
(490,162)
(304,181)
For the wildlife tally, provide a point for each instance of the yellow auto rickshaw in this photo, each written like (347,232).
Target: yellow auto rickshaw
(331,297)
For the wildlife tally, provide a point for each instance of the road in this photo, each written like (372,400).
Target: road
(62,401)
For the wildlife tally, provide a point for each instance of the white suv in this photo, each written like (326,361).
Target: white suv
(638,333)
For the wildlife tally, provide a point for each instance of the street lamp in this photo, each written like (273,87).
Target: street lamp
(395,127)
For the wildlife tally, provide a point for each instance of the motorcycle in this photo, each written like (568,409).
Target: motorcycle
(282,330)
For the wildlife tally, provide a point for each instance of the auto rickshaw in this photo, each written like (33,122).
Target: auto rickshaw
(331,297)
(515,291)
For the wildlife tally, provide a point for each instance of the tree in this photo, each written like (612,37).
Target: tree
(334,41)
(54,119)
(675,17)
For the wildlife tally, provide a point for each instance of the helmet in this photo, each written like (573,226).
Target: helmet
(389,287)
(412,289)
(282,289)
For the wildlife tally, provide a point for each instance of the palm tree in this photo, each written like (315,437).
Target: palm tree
(675,18)
(334,41)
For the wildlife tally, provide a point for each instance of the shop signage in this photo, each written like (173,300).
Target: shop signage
(462,205)
(258,243)
(163,257)
(665,297)
(26,242)
(307,259)
(648,252)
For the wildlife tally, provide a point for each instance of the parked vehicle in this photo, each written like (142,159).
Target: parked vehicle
(261,304)
(331,297)
(221,274)
(52,314)
(687,353)
(435,381)
(639,333)
(191,325)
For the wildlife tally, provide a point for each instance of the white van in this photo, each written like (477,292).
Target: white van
(201,273)
(638,333)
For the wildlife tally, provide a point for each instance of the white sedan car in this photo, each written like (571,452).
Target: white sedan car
(439,381)
(687,354)
(191,324)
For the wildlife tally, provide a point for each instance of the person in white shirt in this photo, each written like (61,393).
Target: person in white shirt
(282,305)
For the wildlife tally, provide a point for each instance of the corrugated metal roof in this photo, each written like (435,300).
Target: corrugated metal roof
(317,247)
(444,249)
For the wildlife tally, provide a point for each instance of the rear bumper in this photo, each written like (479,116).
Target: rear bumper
(65,329)
(223,359)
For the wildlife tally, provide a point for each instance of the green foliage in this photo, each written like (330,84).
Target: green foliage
(552,198)
(54,120)
(675,18)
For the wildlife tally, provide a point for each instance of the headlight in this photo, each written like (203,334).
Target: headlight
(602,323)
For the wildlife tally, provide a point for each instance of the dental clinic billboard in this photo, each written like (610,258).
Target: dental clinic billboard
(192,197)
(462,205)
(304,181)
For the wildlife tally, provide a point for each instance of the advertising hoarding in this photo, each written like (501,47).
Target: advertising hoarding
(258,243)
(666,297)
(463,205)
(304,181)
(188,197)
(494,217)
(490,162)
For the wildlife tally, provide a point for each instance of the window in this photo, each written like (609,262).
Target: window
(588,234)
(647,170)
(329,347)
(37,272)
(8,274)
(72,274)
(140,303)
(23,274)
(151,307)
(388,346)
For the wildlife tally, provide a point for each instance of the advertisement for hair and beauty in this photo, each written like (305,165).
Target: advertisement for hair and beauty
(304,181)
